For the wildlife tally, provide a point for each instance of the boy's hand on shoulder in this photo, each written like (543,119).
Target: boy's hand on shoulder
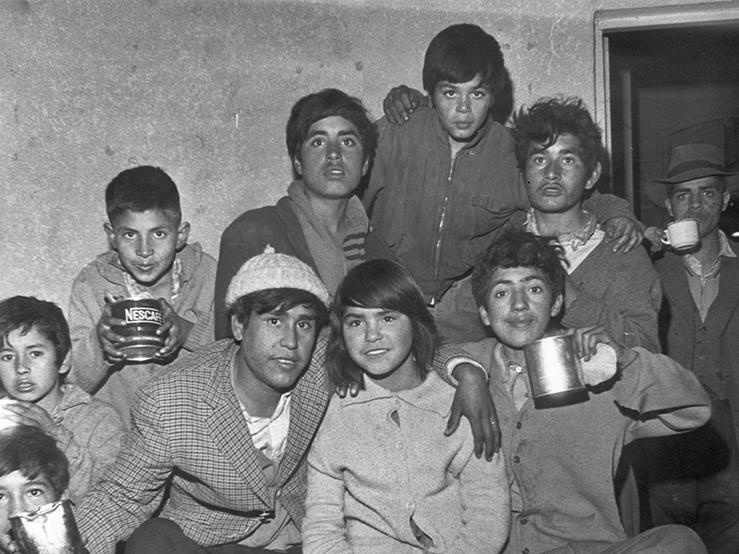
(625,232)
(108,338)
(598,353)
(33,415)
(400,103)
(175,328)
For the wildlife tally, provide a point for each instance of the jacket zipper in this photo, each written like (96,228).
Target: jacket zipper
(442,219)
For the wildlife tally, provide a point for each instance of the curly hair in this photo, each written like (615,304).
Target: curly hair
(519,249)
(549,118)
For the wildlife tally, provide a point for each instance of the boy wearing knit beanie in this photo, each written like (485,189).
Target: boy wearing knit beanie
(227,429)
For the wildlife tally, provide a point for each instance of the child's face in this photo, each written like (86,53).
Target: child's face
(275,347)
(557,176)
(462,107)
(146,243)
(380,342)
(20,494)
(332,160)
(29,369)
(519,305)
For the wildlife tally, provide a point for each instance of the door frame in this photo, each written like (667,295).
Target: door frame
(631,19)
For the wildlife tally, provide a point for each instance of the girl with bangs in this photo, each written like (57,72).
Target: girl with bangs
(382,476)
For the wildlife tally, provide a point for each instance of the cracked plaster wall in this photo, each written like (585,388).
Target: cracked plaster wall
(203,88)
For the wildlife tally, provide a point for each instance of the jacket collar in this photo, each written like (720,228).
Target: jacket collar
(112,271)
(230,432)
(355,214)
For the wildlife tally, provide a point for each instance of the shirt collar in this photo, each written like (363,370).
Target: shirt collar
(355,216)
(423,397)
(695,268)
(573,239)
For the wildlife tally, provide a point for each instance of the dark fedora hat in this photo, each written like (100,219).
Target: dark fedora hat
(688,162)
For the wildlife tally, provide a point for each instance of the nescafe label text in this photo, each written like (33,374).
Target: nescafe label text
(143,315)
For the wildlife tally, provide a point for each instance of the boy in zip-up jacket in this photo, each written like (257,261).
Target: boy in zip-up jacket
(445,183)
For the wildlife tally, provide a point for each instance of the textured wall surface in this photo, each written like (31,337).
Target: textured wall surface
(203,88)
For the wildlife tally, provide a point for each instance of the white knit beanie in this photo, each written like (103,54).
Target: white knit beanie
(272,270)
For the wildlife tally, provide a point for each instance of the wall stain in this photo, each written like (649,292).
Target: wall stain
(108,150)
(20,7)
(358,65)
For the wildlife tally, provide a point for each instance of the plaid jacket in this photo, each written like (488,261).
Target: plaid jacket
(187,425)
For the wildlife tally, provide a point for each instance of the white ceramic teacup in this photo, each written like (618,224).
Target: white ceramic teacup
(682,234)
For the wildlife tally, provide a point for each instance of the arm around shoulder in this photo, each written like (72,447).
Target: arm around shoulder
(607,206)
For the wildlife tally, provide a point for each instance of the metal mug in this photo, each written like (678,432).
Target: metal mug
(554,371)
(142,318)
(49,529)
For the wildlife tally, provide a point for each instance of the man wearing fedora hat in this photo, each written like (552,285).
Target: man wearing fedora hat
(696,480)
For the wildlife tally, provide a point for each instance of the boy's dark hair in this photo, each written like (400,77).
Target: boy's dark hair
(460,52)
(385,285)
(519,249)
(276,300)
(32,452)
(327,103)
(549,118)
(140,189)
(24,312)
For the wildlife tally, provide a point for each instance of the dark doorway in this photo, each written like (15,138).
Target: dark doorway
(671,86)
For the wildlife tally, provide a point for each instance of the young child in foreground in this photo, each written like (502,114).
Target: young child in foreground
(382,477)
(149,258)
(563,458)
(33,472)
(33,362)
